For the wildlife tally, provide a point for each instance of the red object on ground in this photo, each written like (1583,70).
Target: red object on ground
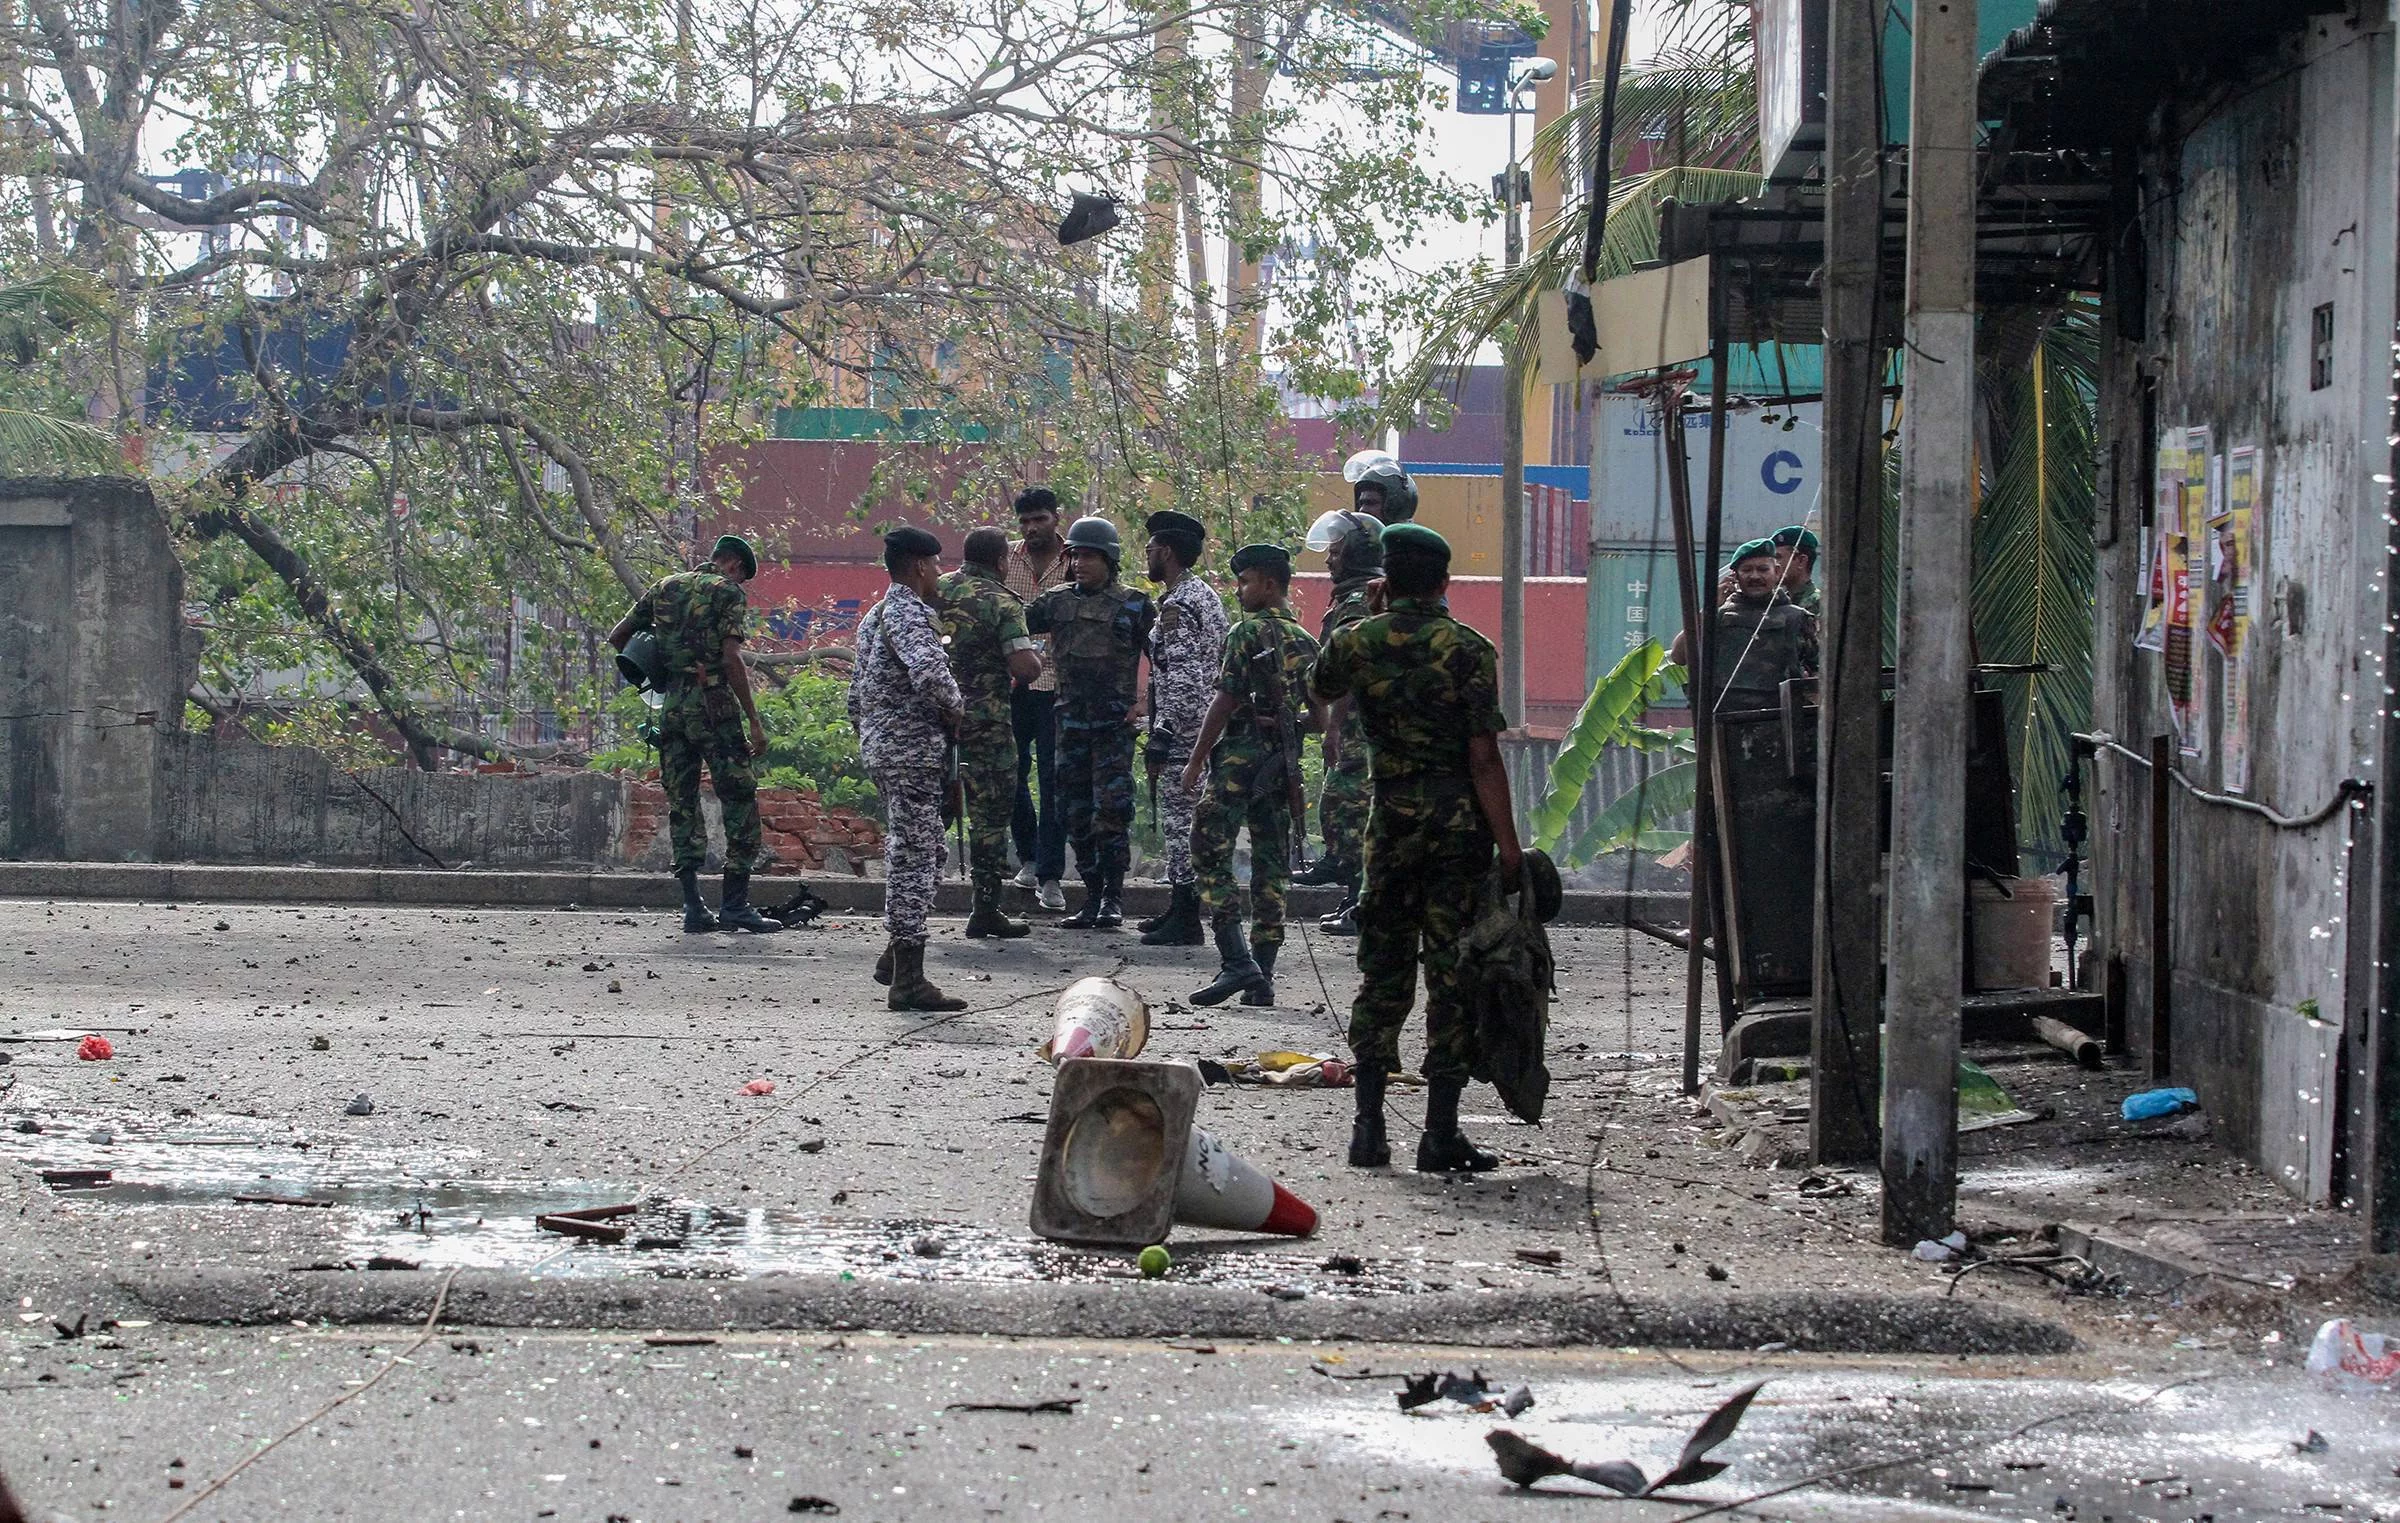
(1292,1216)
(759,1087)
(95,1049)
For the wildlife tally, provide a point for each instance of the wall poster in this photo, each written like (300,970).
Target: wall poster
(2152,633)
(2187,675)
(2234,540)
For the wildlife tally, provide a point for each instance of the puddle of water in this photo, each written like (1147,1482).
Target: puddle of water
(421,1207)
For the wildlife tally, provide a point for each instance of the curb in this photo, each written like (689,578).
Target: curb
(166,882)
(1834,1322)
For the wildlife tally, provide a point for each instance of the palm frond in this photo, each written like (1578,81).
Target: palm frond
(1611,715)
(28,439)
(1630,819)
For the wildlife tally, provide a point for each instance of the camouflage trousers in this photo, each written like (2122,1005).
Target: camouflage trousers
(1177,806)
(987,771)
(1245,791)
(1427,850)
(1095,778)
(686,740)
(912,846)
(1343,802)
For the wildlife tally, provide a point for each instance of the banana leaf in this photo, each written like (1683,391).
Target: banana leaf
(1629,818)
(1609,716)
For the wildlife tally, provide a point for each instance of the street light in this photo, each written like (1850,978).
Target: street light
(1513,190)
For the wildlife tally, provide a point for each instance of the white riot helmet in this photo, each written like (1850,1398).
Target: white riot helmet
(1359,534)
(1380,470)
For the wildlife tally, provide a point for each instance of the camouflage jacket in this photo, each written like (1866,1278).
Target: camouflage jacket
(1186,649)
(1424,684)
(1349,605)
(693,614)
(1251,676)
(901,690)
(1754,646)
(982,622)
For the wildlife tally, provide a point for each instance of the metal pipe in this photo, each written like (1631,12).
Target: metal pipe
(2162,920)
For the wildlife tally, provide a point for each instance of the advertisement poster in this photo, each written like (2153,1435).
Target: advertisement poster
(2237,535)
(2165,510)
(2187,598)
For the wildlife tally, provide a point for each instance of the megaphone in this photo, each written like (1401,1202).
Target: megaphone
(1122,1162)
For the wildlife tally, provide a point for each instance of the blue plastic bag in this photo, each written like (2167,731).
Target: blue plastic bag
(2151,1104)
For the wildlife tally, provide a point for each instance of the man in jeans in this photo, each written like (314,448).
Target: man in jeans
(1036,563)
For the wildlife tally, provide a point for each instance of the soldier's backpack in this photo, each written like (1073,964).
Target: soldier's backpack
(1507,976)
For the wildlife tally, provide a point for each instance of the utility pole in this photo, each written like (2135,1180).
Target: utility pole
(1929,750)
(1845,1068)
(1512,424)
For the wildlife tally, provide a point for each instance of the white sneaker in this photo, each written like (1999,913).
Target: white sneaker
(1025,876)
(1049,896)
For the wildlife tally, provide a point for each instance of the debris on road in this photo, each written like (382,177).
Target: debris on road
(95,1049)
(1097,1018)
(802,908)
(77,1179)
(1155,1261)
(282,1200)
(359,1105)
(2340,1348)
(2152,1104)
(1548,1257)
(814,1504)
(759,1087)
(596,1224)
(1523,1463)
(320,1044)
(1062,1406)
(1942,1250)
(1470,1391)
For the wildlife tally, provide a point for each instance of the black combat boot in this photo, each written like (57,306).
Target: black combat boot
(1444,1149)
(1237,970)
(1263,992)
(883,965)
(1112,900)
(1344,921)
(1087,914)
(1180,925)
(911,990)
(695,909)
(987,919)
(1321,872)
(1369,1147)
(735,913)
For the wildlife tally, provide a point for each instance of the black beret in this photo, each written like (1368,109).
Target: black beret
(1273,558)
(910,541)
(734,544)
(1167,521)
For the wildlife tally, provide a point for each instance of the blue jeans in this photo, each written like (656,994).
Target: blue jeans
(1040,838)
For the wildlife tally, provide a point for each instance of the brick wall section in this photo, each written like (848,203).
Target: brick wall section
(802,835)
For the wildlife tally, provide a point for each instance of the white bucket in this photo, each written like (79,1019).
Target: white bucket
(2013,935)
(1098,1018)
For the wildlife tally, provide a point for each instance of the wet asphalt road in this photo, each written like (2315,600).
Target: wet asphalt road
(607,1426)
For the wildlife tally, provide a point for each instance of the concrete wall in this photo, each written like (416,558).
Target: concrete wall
(2269,201)
(94,662)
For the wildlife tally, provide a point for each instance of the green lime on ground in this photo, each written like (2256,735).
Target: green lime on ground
(1155,1260)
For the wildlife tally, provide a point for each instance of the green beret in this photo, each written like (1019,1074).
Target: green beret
(1273,558)
(1414,539)
(910,541)
(1753,547)
(734,544)
(1793,534)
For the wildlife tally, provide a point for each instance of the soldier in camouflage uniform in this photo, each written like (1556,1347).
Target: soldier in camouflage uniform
(1757,638)
(1249,744)
(984,623)
(1098,630)
(1353,547)
(1796,559)
(907,710)
(700,619)
(1185,651)
(1428,689)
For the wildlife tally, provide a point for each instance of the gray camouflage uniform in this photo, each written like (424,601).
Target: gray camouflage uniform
(1186,648)
(902,701)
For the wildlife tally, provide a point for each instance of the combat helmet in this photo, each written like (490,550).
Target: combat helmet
(1096,533)
(1378,469)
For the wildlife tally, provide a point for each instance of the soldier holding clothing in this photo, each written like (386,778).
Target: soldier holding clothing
(700,618)
(990,651)
(1098,629)
(1185,651)
(1427,688)
(1250,746)
(906,707)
